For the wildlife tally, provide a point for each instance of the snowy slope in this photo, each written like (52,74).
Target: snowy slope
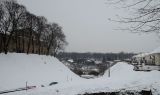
(43,69)
(16,69)
(122,77)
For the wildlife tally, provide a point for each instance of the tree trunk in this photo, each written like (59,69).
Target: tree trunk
(54,54)
(28,46)
(39,42)
(48,49)
(32,45)
(50,44)
(42,52)
(16,37)
(7,42)
(1,42)
(4,43)
(29,43)
(39,47)
(23,42)
(19,44)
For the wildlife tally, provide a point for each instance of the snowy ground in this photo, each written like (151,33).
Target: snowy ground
(16,69)
(37,70)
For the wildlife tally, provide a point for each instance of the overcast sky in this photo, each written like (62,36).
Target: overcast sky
(87,28)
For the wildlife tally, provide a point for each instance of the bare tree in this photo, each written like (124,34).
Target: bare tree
(5,26)
(59,41)
(55,38)
(145,17)
(20,19)
(31,21)
(41,26)
(1,26)
(22,31)
(52,28)
(14,13)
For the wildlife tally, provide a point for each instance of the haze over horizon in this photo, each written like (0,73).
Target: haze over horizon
(87,28)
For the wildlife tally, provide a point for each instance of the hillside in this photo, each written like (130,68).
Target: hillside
(123,78)
(36,70)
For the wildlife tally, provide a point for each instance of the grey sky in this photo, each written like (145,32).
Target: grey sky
(86,26)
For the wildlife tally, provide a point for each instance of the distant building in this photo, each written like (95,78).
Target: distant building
(143,60)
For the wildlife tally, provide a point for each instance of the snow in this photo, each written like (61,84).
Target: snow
(123,75)
(15,69)
(141,55)
(157,50)
(70,60)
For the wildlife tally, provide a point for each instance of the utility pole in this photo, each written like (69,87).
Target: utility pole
(26,85)
(109,70)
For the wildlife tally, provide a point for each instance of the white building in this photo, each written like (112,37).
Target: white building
(147,61)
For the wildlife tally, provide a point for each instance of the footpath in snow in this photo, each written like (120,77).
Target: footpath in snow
(16,69)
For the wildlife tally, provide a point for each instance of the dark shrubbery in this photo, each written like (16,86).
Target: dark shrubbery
(94,73)
(78,72)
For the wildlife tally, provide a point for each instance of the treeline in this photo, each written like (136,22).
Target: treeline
(96,56)
(22,31)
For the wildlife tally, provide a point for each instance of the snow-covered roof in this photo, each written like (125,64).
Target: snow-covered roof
(157,50)
(141,55)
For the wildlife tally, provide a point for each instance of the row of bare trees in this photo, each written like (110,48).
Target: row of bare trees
(22,31)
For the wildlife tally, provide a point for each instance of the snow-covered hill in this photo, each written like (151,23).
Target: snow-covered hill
(36,70)
(123,76)
(16,69)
